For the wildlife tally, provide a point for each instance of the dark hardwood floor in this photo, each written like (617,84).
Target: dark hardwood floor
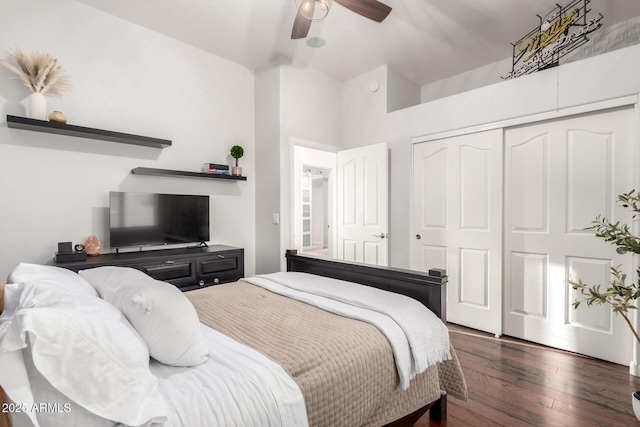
(517,383)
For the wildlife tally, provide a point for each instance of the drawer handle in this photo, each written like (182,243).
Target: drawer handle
(221,256)
(169,262)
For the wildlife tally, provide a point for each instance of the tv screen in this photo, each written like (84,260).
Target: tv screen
(137,219)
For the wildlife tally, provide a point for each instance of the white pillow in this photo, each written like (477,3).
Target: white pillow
(88,351)
(165,319)
(56,276)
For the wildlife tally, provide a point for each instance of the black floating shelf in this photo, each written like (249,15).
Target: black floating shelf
(185,174)
(84,132)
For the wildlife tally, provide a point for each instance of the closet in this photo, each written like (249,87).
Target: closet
(504,211)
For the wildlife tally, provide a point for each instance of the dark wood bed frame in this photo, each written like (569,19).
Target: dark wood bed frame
(428,288)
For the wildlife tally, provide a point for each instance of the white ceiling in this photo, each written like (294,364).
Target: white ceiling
(426,40)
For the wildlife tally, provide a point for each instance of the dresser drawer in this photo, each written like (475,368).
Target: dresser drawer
(221,268)
(179,272)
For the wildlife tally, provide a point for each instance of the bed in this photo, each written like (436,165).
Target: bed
(279,349)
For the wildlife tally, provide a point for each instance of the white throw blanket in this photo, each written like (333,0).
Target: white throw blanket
(417,336)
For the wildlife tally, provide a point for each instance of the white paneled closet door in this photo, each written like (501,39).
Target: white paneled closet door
(457,223)
(559,175)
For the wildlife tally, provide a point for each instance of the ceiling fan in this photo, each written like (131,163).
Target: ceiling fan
(312,10)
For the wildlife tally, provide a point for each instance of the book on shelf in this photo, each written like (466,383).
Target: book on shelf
(215,166)
(216,171)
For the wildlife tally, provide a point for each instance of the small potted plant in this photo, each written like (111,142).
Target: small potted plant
(236,152)
(619,294)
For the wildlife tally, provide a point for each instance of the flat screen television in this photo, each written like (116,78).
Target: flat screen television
(147,219)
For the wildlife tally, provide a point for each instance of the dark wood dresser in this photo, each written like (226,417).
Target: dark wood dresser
(186,268)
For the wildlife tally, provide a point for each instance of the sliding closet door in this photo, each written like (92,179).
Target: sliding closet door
(559,175)
(457,223)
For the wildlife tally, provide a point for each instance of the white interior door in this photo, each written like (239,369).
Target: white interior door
(457,222)
(559,176)
(362,204)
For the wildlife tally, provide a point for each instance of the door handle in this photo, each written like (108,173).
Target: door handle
(381,235)
(418,237)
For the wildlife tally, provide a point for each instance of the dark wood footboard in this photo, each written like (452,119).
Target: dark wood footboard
(428,288)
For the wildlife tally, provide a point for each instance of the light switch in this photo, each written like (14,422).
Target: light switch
(275,218)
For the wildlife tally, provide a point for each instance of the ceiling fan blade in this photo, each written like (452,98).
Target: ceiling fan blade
(301,25)
(371,9)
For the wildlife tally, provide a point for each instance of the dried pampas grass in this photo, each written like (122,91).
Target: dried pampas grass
(40,72)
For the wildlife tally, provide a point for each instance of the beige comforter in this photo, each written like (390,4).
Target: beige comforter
(344,367)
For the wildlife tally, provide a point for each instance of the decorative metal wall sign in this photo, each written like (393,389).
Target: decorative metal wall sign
(561,31)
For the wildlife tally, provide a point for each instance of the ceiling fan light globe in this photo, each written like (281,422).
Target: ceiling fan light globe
(314,9)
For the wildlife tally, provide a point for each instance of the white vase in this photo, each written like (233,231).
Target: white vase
(635,401)
(37,106)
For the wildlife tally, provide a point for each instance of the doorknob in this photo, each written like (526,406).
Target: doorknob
(381,235)
(418,237)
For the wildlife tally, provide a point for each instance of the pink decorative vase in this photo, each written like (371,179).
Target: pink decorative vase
(93,246)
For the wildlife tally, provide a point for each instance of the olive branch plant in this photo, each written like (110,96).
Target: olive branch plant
(620,294)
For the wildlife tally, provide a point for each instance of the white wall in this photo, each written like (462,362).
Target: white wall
(608,38)
(311,111)
(603,77)
(292,104)
(479,77)
(401,92)
(318,212)
(129,79)
(267,102)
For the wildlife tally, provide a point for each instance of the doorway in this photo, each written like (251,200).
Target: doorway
(315,210)
(344,195)
(313,201)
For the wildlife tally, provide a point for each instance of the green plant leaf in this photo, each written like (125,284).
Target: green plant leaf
(619,294)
